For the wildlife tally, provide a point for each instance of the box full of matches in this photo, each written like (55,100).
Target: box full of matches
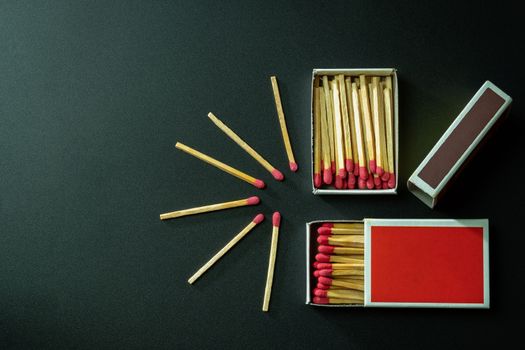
(461,140)
(440,263)
(354,131)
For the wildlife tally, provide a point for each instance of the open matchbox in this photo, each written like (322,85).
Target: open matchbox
(354,73)
(458,144)
(442,263)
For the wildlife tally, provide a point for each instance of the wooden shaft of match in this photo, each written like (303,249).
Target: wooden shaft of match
(351,285)
(342,259)
(346,266)
(365,108)
(347,231)
(355,278)
(359,133)
(344,301)
(339,146)
(389,127)
(271,268)
(282,121)
(382,124)
(204,209)
(347,133)
(349,241)
(356,225)
(317,131)
(325,138)
(356,271)
(348,88)
(218,164)
(346,293)
(329,117)
(348,250)
(376,118)
(232,135)
(221,252)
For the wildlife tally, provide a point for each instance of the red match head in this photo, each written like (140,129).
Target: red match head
(361,184)
(316,273)
(253,200)
(315,264)
(322,240)
(349,164)
(326,249)
(319,300)
(322,258)
(385,176)
(392,180)
(259,184)
(363,173)
(377,182)
(379,171)
(322,286)
(325,280)
(293,166)
(372,164)
(276,219)
(324,230)
(338,182)
(277,175)
(320,293)
(327,176)
(317,180)
(325,272)
(370,182)
(258,219)
(321,266)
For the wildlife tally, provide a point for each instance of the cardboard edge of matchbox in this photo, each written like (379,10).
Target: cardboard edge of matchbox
(356,71)
(425,192)
(368,223)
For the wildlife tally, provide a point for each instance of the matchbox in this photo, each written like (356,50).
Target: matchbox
(441,263)
(464,136)
(376,125)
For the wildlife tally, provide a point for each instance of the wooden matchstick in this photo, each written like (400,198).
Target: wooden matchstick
(317,138)
(356,225)
(282,123)
(345,120)
(341,294)
(258,219)
(368,127)
(276,221)
(389,135)
(355,241)
(338,128)
(379,127)
(232,135)
(328,249)
(340,231)
(330,120)
(325,141)
(339,266)
(335,301)
(359,132)
(324,258)
(351,272)
(212,207)
(340,283)
(348,86)
(224,167)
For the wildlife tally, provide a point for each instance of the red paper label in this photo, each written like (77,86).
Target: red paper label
(427,264)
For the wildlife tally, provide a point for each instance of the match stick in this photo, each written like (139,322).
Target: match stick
(232,135)
(338,128)
(339,294)
(282,123)
(339,231)
(356,225)
(276,221)
(355,241)
(317,137)
(324,258)
(389,135)
(330,120)
(212,207)
(369,131)
(379,127)
(325,141)
(338,266)
(328,249)
(345,120)
(258,219)
(335,282)
(224,167)
(363,170)
(318,300)
(348,88)
(329,272)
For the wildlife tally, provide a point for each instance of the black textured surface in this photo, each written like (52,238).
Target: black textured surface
(93,97)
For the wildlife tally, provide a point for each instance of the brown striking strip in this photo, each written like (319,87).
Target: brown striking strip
(461,138)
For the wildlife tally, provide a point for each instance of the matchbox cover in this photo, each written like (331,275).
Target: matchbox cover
(442,263)
(382,73)
(452,151)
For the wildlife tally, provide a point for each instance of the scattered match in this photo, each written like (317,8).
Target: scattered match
(339,267)
(211,207)
(282,124)
(276,222)
(353,132)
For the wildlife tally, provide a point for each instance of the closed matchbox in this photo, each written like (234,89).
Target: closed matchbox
(458,144)
(427,263)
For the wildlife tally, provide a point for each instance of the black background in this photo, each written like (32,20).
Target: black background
(93,97)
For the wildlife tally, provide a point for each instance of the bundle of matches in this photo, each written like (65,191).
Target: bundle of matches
(353,132)
(339,264)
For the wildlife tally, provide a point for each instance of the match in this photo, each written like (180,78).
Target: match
(324,258)
(257,220)
(317,138)
(282,123)
(276,221)
(355,241)
(232,135)
(335,282)
(224,167)
(328,249)
(212,207)
(319,300)
(340,231)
